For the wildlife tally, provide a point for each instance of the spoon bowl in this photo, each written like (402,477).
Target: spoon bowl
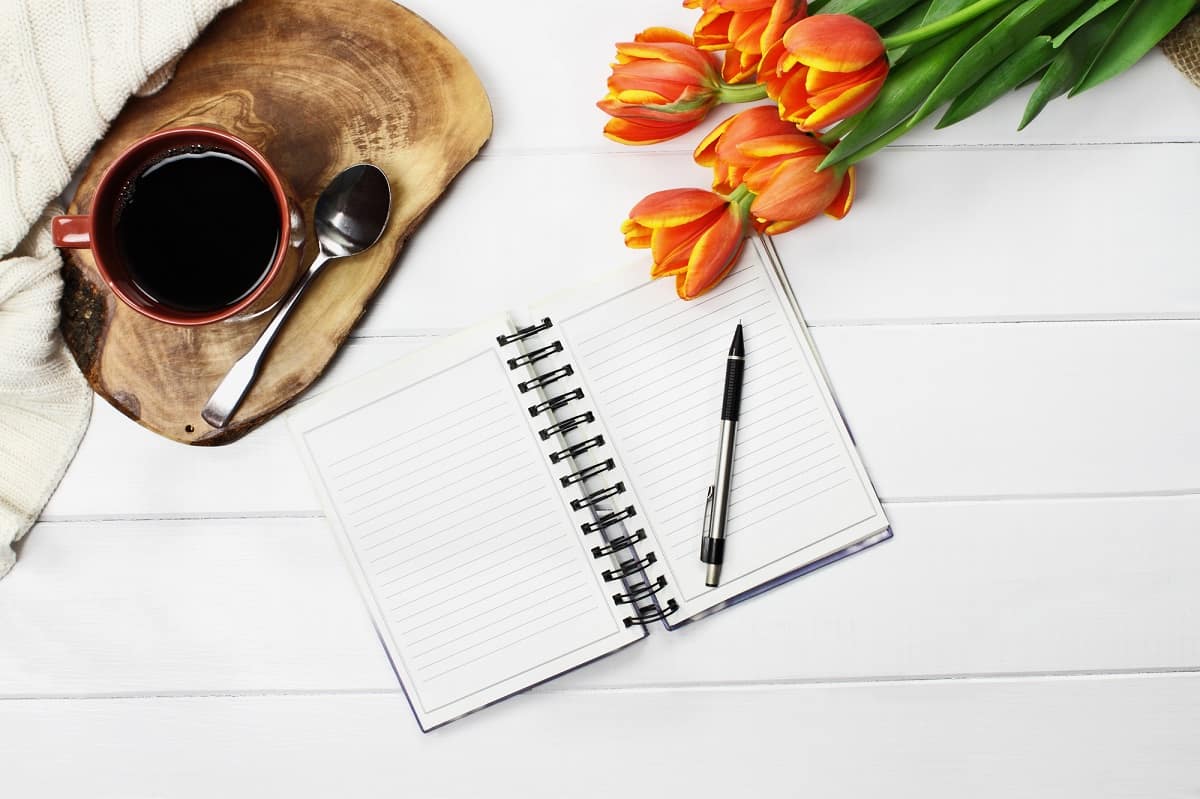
(352,211)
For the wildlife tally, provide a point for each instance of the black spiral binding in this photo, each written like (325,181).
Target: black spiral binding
(596,503)
(588,471)
(524,333)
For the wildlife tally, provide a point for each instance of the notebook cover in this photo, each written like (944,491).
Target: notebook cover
(866,543)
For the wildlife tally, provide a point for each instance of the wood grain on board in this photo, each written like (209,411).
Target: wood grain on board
(316,86)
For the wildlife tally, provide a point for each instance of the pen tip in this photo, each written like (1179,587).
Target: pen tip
(737,347)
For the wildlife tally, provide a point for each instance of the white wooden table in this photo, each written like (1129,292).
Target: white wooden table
(1012,323)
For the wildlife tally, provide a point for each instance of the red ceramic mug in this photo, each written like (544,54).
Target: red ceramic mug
(97,229)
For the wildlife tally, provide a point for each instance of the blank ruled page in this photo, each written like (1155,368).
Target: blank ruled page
(655,366)
(471,562)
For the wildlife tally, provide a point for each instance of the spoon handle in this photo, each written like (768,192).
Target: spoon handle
(228,396)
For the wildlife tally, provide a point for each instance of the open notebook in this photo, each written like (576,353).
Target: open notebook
(526,496)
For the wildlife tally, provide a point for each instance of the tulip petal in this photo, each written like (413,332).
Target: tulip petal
(782,144)
(668,78)
(674,207)
(761,120)
(745,30)
(833,42)
(629,131)
(826,84)
(637,97)
(670,248)
(796,191)
(844,198)
(706,151)
(671,52)
(637,236)
(661,34)
(712,31)
(773,228)
(713,255)
(843,106)
(793,98)
(743,6)
(784,14)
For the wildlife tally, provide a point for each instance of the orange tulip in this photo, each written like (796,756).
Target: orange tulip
(693,234)
(826,68)
(745,28)
(777,163)
(661,86)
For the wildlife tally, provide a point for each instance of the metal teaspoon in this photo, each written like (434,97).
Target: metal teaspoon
(349,218)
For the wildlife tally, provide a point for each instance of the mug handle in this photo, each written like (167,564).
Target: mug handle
(74,232)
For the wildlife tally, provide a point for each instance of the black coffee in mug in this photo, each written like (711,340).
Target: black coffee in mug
(198,229)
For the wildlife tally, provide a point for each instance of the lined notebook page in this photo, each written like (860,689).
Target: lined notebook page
(469,560)
(654,367)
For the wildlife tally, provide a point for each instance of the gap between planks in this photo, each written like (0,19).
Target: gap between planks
(432,334)
(488,154)
(1082,675)
(996,499)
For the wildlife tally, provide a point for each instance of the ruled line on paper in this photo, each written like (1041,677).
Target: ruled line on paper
(699,354)
(482,528)
(339,461)
(611,336)
(652,359)
(522,639)
(677,538)
(477,573)
(752,460)
(438,476)
(435,533)
(469,435)
(512,613)
(470,497)
(487,554)
(476,602)
(705,408)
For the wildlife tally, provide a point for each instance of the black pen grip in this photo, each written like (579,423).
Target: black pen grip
(731,405)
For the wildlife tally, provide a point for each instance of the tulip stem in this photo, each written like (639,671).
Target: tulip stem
(942,25)
(739,194)
(740,92)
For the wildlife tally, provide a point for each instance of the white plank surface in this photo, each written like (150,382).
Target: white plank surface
(168,607)
(1010,323)
(965,588)
(1094,737)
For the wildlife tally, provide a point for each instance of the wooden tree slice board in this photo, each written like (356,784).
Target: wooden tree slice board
(316,85)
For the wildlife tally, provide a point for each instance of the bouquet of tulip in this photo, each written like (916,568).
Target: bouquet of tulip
(847,78)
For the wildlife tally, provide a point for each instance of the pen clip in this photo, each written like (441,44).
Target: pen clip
(706,523)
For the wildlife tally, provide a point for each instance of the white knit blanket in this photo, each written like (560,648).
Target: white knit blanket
(66,68)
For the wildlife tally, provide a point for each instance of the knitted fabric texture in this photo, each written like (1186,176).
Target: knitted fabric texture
(68,66)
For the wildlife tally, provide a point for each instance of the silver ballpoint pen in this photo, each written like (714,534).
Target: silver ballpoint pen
(712,541)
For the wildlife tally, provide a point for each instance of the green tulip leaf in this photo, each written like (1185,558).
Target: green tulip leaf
(937,9)
(908,85)
(872,12)
(1142,28)
(1010,73)
(1087,16)
(1074,57)
(909,20)
(1027,20)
